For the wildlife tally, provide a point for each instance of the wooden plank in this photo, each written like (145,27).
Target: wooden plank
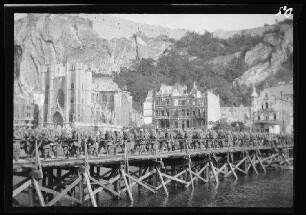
(139,182)
(103,186)
(56,193)
(169,180)
(162,181)
(92,196)
(127,185)
(38,191)
(64,192)
(22,187)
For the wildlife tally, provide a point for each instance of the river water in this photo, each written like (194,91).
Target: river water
(271,189)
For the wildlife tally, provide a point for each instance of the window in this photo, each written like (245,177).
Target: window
(194,113)
(162,112)
(167,113)
(258,118)
(199,112)
(184,102)
(104,98)
(187,112)
(275,116)
(72,85)
(156,113)
(183,112)
(176,124)
(187,123)
(267,105)
(262,107)
(267,118)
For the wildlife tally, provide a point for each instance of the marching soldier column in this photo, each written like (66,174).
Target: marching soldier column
(207,153)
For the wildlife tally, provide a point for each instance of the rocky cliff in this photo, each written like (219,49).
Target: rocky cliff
(41,39)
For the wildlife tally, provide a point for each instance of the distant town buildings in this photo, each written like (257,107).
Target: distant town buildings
(74,95)
(176,107)
(273,109)
(23,112)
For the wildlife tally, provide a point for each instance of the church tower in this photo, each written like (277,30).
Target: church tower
(254,98)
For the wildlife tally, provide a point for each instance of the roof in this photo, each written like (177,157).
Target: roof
(285,89)
(104,84)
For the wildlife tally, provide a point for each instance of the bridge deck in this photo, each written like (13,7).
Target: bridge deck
(113,159)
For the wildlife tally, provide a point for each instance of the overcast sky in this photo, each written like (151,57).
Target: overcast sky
(201,22)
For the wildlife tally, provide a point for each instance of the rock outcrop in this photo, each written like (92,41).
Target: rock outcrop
(53,38)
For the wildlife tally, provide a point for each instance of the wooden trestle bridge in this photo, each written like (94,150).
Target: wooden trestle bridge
(80,179)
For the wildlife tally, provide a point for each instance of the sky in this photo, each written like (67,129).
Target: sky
(202,22)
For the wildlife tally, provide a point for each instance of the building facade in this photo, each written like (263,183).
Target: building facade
(73,95)
(236,114)
(273,109)
(175,107)
(23,112)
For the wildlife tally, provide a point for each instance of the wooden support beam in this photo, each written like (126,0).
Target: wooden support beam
(139,182)
(31,195)
(262,166)
(104,187)
(232,170)
(57,193)
(252,163)
(38,191)
(162,181)
(92,197)
(127,185)
(174,178)
(139,179)
(64,192)
(22,187)
(221,169)
(214,172)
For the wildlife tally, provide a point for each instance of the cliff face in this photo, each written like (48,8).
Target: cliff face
(41,39)
(266,58)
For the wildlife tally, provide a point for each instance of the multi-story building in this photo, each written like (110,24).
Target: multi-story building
(74,95)
(175,107)
(236,114)
(273,109)
(23,112)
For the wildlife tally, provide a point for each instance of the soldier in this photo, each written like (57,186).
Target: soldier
(162,140)
(120,141)
(16,146)
(181,139)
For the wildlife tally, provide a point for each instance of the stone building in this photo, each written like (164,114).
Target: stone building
(236,114)
(176,107)
(273,109)
(74,95)
(23,112)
